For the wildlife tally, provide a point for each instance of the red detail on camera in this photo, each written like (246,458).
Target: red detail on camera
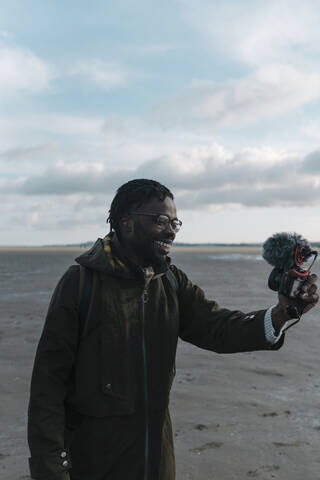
(299,260)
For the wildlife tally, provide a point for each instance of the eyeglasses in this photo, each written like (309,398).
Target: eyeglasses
(163,221)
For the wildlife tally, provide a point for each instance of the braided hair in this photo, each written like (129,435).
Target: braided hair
(134,194)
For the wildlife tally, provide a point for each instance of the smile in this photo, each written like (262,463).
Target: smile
(163,245)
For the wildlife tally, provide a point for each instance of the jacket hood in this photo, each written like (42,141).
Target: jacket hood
(100,257)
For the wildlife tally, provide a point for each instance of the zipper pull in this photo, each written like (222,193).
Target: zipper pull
(148,273)
(145,295)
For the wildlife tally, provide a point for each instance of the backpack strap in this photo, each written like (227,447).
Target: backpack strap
(85,292)
(172,279)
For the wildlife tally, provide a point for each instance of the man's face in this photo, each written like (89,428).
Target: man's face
(149,241)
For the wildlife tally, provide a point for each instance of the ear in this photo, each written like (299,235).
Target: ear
(126,224)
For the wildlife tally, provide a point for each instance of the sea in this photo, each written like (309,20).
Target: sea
(33,272)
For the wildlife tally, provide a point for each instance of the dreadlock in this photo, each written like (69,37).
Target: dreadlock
(134,194)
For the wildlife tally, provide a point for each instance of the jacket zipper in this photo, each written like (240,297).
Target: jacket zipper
(146,396)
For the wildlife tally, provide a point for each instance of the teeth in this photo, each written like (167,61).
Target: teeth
(163,244)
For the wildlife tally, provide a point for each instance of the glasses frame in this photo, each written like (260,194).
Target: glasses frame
(170,222)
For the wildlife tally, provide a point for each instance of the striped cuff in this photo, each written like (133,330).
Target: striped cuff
(268,327)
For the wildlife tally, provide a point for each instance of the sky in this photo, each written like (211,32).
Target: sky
(217,99)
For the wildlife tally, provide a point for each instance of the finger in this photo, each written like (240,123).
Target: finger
(311,280)
(313,289)
(315,298)
(310,299)
(309,306)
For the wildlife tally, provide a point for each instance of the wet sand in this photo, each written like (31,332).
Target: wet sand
(242,416)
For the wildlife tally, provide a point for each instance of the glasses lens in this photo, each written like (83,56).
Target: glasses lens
(163,221)
(176,224)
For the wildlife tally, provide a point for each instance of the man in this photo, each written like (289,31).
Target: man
(101,380)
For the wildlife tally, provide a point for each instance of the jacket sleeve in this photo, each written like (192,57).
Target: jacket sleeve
(205,324)
(53,366)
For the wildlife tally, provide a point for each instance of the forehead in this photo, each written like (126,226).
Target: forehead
(167,207)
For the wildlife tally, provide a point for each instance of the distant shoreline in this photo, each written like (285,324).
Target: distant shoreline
(247,249)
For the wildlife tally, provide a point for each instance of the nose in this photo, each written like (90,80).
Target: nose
(169,228)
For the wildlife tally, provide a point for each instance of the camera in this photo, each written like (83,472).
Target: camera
(288,253)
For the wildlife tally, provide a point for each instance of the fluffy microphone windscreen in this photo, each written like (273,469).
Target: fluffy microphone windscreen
(280,248)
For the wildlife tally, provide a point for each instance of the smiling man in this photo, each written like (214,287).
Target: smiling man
(106,358)
(148,232)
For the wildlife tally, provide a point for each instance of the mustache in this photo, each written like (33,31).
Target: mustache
(168,238)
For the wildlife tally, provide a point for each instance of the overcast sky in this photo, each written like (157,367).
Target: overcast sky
(219,100)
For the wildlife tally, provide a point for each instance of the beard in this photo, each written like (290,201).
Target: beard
(152,249)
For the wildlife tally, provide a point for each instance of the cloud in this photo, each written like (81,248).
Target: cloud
(74,197)
(28,152)
(270,91)
(311,163)
(49,129)
(52,213)
(64,179)
(68,179)
(258,33)
(121,142)
(281,195)
(201,178)
(103,74)
(22,71)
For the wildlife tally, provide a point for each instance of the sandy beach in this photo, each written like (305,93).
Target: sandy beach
(242,416)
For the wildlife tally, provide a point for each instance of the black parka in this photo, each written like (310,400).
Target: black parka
(99,401)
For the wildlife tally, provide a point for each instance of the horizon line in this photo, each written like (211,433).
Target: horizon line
(175,244)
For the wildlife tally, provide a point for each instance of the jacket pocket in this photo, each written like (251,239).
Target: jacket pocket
(117,366)
(99,387)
